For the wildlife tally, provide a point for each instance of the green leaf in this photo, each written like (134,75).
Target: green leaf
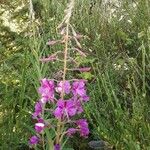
(49,140)
(68,148)
(86,75)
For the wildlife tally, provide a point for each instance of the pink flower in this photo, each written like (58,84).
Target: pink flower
(56,147)
(34,140)
(63,86)
(50,58)
(65,108)
(39,127)
(77,104)
(43,100)
(83,127)
(86,69)
(78,107)
(71,131)
(38,109)
(40,120)
(47,89)
(79,88)
(84,98)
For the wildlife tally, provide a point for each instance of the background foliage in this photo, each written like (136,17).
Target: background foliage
(118,48)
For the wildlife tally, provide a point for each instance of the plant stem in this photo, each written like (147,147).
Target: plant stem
(65,58)
(64,78)
(66,39)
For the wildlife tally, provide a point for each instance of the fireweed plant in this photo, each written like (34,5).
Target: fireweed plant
(61,101)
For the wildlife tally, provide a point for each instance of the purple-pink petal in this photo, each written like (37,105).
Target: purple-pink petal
(34,140)
(71,131)
(39,127)
(61,103)
(56,147)
(40,120)
(70,108)
(50,58)
(58,112)
(63,87)
(84,98)
(83,126)
(65,108)
(79,107)
(79,88)
(47,89)
(86,69)
(38,109)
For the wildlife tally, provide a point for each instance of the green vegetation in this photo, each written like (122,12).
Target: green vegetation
(118,46)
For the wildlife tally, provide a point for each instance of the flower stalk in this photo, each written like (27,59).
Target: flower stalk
(54,93)
(66,38)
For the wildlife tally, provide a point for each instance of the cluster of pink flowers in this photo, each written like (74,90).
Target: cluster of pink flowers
(64,107)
